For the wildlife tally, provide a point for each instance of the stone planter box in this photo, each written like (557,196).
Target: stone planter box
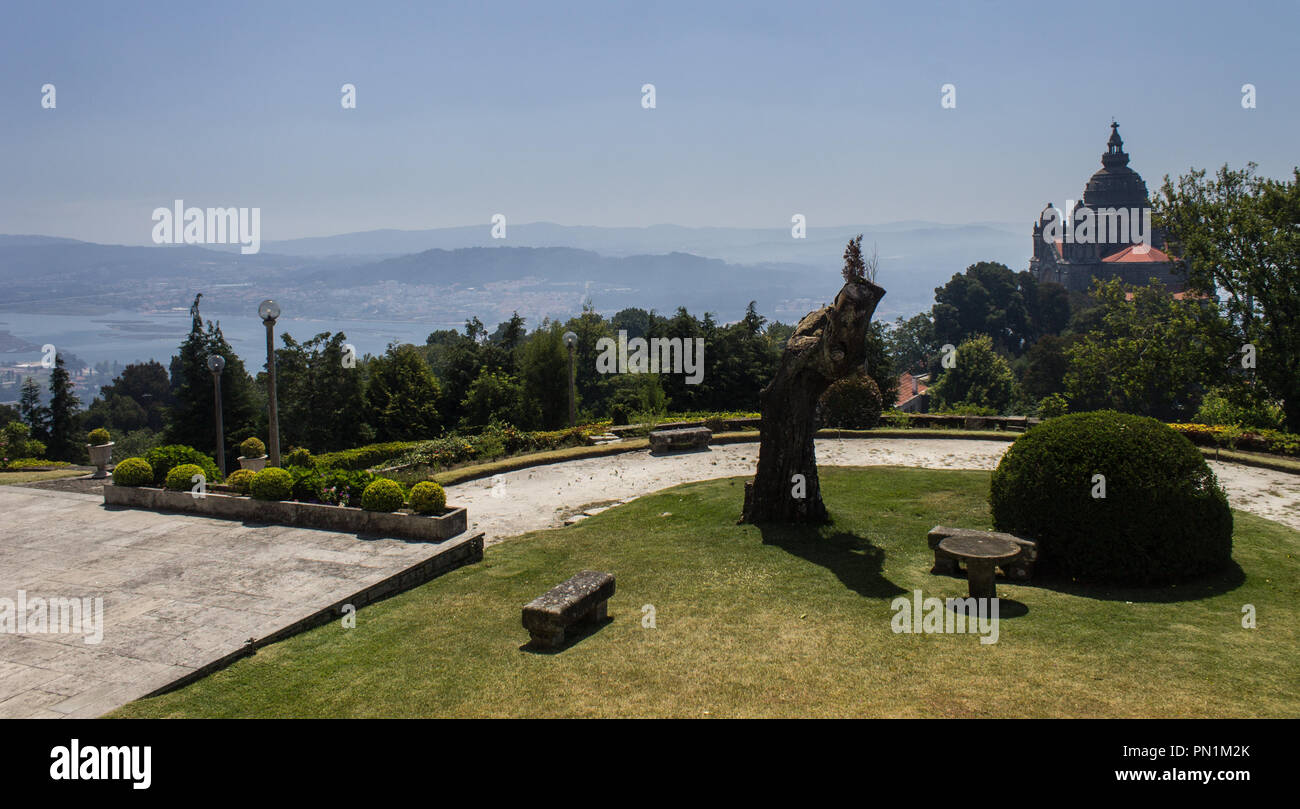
(253,464)
(419,527)
(100,455)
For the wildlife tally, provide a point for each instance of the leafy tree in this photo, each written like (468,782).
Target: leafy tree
(636,322)
(403,395)
(1152,355)
(63,413)
(544,369)
(136,400)
(493,397)
(590,328)
(880,365)
(980,378)
(322,401)
(1239,234)
(9,413)
(911,343)
(1045,367)
(1013,309)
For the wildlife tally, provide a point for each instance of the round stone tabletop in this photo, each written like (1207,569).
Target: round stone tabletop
(992,549)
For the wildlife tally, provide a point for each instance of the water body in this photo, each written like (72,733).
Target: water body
(128,337)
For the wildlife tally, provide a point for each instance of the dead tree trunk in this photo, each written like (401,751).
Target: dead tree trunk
(826,345)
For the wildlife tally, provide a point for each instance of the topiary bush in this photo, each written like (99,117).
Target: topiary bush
(181,478)
(298,457)
(851,403)
(162,459)
(132,472)
(99,436)
(272,483)
(252,448)
(428,497)
(240,480)
(382,495)
(1163,517)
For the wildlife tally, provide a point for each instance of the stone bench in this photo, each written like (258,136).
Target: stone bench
(687,438)
(1021,568)
(581,598)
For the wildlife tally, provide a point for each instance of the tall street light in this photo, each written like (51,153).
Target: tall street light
(571,340)
(269,311)
(216,364)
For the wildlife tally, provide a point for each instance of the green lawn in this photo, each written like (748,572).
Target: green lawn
(30,476)
(794,623)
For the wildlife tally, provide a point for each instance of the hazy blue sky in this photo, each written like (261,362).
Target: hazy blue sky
(533,109)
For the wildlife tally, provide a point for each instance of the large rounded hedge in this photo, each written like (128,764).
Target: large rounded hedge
(1164,518)
(851,403)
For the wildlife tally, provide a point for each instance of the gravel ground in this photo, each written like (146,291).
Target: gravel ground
(549,496)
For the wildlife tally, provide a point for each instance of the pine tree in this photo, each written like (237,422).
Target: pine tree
(33,412)
(63,413)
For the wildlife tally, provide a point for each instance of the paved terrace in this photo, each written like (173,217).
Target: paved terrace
(180,592)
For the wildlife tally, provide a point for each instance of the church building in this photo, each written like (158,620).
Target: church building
(1107,234)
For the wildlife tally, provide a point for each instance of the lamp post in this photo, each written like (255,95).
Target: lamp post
(216,364)
(571,340)
(269,310)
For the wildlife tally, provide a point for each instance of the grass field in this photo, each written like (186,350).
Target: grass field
(26,476)
(790,622)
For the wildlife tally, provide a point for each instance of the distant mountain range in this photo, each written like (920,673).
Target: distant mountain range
(541,269)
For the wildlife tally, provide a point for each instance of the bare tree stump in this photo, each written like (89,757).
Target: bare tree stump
(827,345)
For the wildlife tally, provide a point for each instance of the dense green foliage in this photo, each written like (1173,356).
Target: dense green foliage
(383,495)
(252,447)
(181,478)
(1240,234)
(240,480)
(851,403)
(133,472)
(99,436)
(980,379)
(162,459)
(428,497)
(1157,515)
(16,442)
(271,483)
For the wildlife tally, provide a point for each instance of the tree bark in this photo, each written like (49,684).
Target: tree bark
(827,345)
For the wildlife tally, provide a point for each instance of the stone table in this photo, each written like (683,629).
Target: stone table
(981,554)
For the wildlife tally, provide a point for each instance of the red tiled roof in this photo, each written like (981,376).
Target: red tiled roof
(905,389)
(1137,254)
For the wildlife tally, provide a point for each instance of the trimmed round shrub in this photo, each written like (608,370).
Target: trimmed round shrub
(162,459)
(181,478)
(272,483)
(382,495)
(298,457)
(1163,517)
(851,403)
(252,448)
(428,497)
(99,436)
(132,472)
(240,480)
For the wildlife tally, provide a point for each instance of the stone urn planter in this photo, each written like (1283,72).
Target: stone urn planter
(253,464)
(100,455)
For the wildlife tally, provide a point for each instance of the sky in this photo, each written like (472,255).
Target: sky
(534,110)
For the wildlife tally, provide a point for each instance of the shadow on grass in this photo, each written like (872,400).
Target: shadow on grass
(573,635)
(1215,584)
(853,559)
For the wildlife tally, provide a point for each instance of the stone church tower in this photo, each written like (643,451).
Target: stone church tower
(1074,263)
